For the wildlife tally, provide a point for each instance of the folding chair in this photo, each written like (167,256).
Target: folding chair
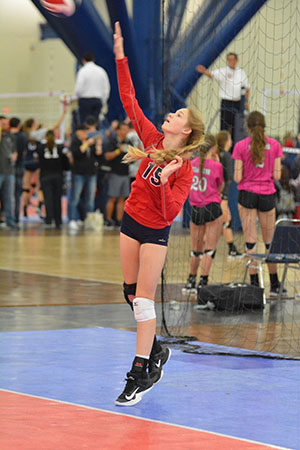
(284,249)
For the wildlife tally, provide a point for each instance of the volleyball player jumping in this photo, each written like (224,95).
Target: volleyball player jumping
(157,195)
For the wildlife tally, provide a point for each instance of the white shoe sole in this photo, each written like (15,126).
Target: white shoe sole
(207,306)
(275,295)
(137,398)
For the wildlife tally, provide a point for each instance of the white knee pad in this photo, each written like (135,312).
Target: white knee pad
(144,309)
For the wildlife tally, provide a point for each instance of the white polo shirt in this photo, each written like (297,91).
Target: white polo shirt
(230,82)
(92,82)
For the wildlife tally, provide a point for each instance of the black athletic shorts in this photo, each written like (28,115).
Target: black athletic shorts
(142,234)
(210,212)
(260,202)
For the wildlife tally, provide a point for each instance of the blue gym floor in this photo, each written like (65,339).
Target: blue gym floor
(245,397)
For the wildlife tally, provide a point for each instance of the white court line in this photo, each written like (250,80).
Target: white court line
(145,419)
(61,276)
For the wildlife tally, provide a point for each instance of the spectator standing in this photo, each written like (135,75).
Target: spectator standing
(103,169)
(52,161)
(133,139)
(224,143)
(8,157)
(35,133)
(85,162)
(233,84)
(118,181)
(92,88)
(285,201)
(21,144)
(31,178)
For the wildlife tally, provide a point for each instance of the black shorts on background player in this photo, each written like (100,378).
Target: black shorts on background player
(210,212)
(260,202)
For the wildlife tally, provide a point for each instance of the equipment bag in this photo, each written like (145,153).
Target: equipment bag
(232,296)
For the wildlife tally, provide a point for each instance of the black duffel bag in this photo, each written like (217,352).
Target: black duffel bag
(231,297)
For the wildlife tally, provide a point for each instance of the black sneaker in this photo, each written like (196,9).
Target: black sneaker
(108,225)
(274,292)
(135,388)
(234,253)
(190,286)
(156,362)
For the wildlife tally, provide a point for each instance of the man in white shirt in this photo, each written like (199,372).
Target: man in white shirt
(233,84)
(92,88)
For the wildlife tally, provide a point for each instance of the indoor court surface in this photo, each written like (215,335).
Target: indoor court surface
(67,339)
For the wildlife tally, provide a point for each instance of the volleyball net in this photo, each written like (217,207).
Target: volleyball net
(268,51)
(45,107)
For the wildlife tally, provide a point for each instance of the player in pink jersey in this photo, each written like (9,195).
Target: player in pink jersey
(206,214)
(157,195)
(257,166)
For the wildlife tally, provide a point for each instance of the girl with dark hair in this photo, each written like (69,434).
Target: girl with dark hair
(52,162)
(31,178)
(257,167)
(157,195)
(224,143)
(35,133)
(206,214)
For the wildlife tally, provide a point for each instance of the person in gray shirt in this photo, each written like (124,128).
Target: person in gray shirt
(224,143)
(8,157)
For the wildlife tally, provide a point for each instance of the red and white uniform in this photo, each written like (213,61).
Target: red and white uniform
(257,178)
(150,203)
(206,190)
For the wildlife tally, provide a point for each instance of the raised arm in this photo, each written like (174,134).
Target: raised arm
(203,70)
(147,132)
(118,42)
(61,118)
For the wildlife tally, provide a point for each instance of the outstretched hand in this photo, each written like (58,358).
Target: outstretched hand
(170,168)
(200,68)
(118,42)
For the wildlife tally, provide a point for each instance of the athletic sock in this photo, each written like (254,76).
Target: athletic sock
(274,280)
(254,279)
(231,246)
(203,280)
(139,365)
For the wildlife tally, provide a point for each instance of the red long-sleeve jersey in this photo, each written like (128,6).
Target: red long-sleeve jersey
(151,203)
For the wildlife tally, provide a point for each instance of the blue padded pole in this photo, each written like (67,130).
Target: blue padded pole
(118,12)
(85,31)
(147,25)
(213,47)
(175,15)
(142,28)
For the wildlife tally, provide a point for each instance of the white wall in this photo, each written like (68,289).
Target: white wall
(29,64)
